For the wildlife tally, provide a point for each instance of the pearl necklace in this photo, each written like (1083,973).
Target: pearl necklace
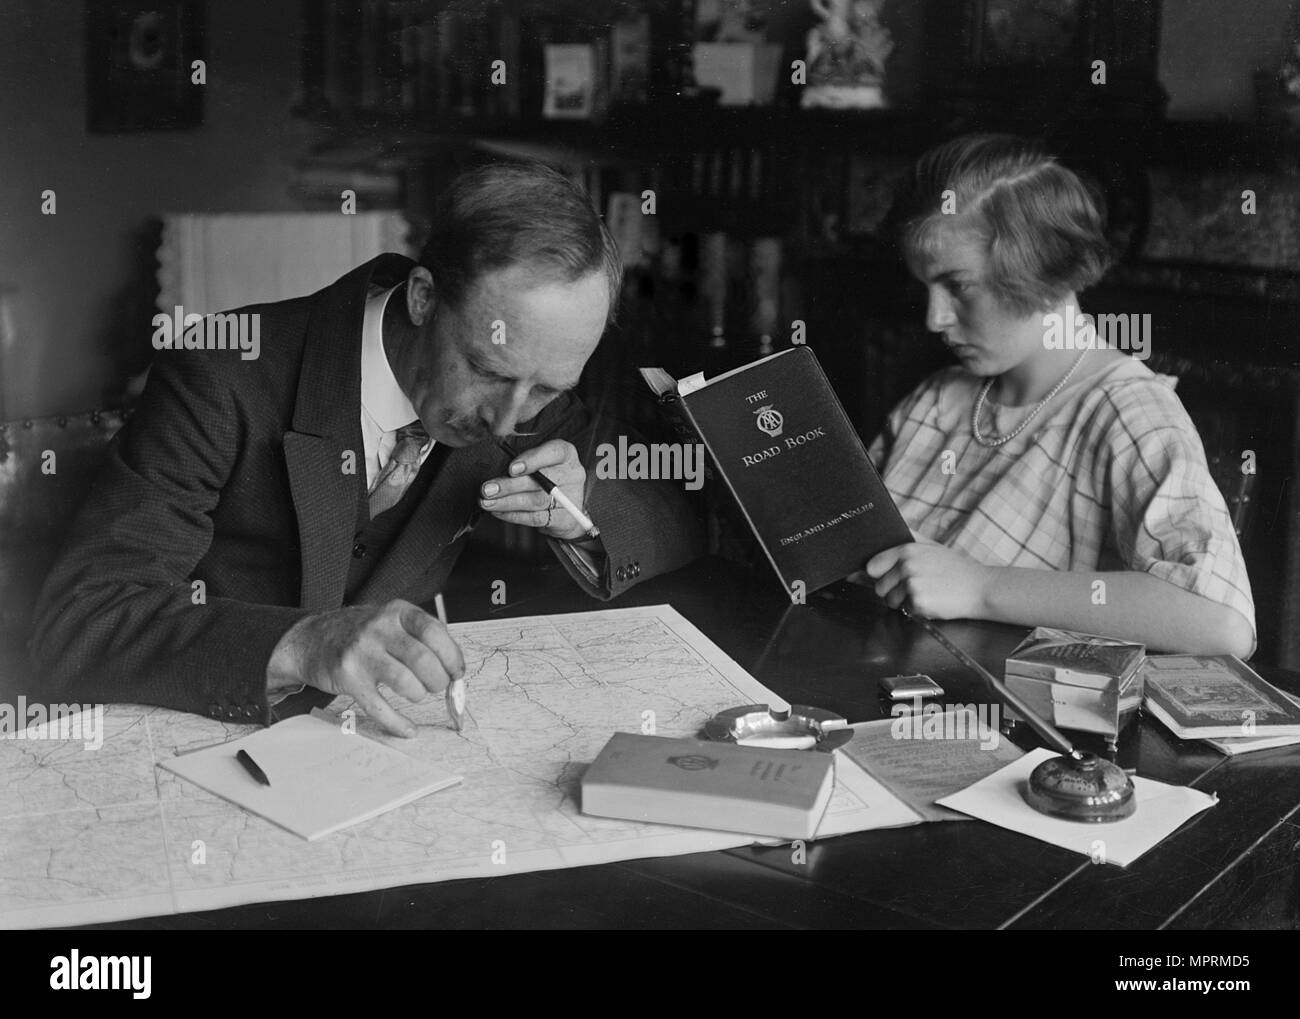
(991,442)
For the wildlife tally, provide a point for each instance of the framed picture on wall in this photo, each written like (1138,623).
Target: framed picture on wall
(140,64)
(1035,55)
(1011,33)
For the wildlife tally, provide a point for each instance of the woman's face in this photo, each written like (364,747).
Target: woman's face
(987,338)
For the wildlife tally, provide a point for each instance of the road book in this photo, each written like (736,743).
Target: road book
(701,784)
(780,439)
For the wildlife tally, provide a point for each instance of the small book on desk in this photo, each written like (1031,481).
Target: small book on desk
(1216,697)
(719,786)
(779,437)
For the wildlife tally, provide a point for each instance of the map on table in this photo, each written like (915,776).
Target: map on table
(96,835)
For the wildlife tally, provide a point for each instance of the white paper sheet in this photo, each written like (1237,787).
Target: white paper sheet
(1161,809)
(322,779)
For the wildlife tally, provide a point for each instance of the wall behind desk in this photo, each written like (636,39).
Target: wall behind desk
(73,277)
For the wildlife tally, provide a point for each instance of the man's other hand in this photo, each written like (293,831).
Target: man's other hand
(353,650)
(519,500)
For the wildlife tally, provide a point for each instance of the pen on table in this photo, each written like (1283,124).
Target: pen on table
(456,688)
(252,767)
(555,492)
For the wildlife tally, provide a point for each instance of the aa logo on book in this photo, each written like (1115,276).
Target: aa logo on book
(769,420)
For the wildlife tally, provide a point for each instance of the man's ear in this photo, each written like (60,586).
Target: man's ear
(421,300)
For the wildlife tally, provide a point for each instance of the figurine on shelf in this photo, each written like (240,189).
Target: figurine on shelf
(846,55)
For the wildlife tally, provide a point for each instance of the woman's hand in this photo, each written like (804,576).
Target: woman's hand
(931,580)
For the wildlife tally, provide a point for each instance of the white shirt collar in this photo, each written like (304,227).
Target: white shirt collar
(381,397)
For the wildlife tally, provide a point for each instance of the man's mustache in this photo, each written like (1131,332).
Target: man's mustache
(473,425)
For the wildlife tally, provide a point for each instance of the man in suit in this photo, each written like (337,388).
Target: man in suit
(267,524)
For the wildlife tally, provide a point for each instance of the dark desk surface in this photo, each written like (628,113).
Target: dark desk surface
(1234,866)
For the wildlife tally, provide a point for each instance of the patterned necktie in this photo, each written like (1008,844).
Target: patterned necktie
(401,469)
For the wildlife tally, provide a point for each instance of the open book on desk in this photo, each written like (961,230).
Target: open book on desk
(919,770)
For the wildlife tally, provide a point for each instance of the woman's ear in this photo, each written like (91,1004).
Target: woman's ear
(421,300)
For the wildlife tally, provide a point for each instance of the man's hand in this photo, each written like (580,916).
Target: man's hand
(519,500)
(354,649)
(932,580)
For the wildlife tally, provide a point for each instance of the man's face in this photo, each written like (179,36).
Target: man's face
(512,345)
(987,338)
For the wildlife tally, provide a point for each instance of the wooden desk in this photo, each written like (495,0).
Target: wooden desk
(1233,866)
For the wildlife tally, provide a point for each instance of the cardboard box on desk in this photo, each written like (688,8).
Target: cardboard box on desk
(1078,681)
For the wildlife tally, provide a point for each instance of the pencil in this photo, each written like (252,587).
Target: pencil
(456,688)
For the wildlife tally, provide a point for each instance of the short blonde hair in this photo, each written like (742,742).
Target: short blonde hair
(1043,228)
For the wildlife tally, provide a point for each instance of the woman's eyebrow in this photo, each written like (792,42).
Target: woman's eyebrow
(949,275)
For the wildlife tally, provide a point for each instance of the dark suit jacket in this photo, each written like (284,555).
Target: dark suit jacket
(231,473)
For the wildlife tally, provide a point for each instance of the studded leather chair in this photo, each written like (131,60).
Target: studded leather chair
(47,466)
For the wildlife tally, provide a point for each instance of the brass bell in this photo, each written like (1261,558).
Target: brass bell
(1080,786)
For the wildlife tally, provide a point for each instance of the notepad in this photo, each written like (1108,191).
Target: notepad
(322,779)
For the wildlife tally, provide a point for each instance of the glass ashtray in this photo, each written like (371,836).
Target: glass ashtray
(797,728)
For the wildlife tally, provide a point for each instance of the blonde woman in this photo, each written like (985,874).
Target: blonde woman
(1048,483)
